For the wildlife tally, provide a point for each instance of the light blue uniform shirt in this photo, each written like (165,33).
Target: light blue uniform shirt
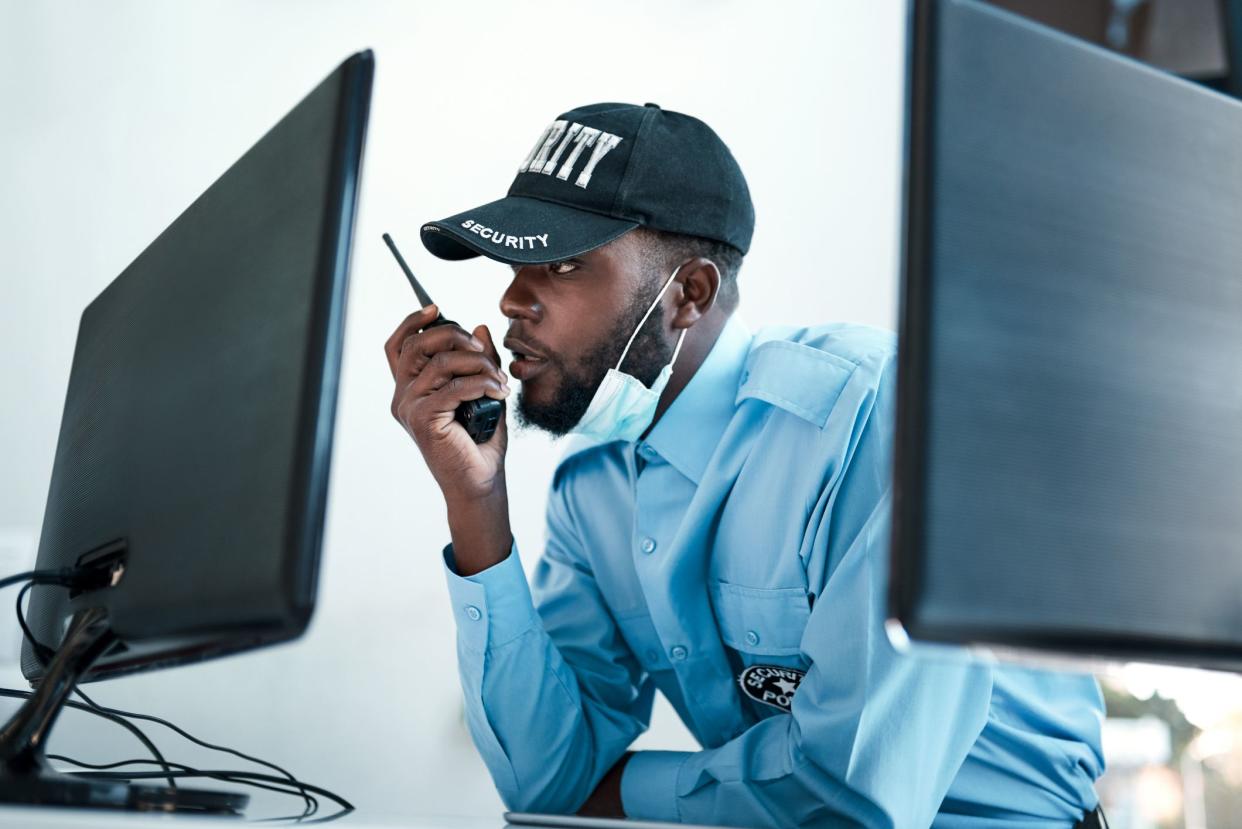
(750,527)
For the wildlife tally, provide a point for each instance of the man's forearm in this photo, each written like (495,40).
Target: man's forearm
(480,531)
(605,801)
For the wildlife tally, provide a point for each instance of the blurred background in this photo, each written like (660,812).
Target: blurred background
(117,115)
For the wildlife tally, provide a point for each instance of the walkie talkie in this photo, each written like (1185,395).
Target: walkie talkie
(480,416)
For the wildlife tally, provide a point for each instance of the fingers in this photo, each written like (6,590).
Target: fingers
(443,366)
(500,435)
(441,370)
(408,349)
(467,387)
(411,324)
(483,335)
(415,409)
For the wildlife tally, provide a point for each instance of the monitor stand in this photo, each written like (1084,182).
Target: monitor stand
(26,777)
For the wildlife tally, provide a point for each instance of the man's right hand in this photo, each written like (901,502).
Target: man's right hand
(435,371)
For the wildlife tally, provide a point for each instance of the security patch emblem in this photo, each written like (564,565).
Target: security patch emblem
(771,684)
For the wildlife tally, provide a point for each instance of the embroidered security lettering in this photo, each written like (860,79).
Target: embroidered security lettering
(507,240)
(543,158)
(771,684)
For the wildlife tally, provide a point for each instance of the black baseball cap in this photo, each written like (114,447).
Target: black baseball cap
(597,172)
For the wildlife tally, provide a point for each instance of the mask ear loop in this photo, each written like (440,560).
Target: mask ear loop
(644,319)
(677,348)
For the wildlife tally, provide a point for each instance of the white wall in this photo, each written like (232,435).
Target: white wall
(116,116)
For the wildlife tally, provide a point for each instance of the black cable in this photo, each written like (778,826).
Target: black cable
(133,729)
(238,776)
(68,577)
(7,580)
(41,651)
(229,776)
(287,786)
(310,810)
(64,577)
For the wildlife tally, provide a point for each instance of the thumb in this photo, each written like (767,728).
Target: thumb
(489,348)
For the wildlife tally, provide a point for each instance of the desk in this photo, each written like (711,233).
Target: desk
(62,818)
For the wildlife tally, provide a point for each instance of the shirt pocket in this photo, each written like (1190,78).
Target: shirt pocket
(761,621)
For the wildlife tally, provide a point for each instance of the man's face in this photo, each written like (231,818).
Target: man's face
(576,316)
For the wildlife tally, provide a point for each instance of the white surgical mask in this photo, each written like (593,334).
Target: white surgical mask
(622,406)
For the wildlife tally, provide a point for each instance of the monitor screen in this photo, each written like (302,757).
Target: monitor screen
(1069,472)
(192,461)
(1187,37)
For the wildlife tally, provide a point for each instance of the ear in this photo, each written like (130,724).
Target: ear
(699,280)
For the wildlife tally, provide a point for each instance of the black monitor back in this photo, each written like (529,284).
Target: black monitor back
(1069,471)
(198,422)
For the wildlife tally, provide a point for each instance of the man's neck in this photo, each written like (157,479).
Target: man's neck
(698,344)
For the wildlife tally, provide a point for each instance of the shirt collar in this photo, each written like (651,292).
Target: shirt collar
(687,433)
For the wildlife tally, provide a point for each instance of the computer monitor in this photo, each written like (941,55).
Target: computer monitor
(1069,428)
(1197,39)
(191,470)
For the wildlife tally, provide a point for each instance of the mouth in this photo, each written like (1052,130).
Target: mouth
(526,362)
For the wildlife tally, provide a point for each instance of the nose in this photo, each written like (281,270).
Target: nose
(520,299)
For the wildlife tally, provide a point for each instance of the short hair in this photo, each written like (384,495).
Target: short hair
(663,250)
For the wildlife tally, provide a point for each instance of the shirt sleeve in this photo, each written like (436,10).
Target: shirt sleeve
(553,695)
(875,737)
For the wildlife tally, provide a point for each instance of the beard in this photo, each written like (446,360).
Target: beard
(569,401)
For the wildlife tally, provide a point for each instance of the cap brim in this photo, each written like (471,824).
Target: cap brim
(521,230)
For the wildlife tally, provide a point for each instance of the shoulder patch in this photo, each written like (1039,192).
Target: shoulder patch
(771,684)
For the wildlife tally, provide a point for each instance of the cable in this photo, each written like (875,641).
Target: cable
(27,576)
(133,729)
(63,577)
(187,735)
(229,776)
(41,651)
(286,785)
(234,776)
(43,654)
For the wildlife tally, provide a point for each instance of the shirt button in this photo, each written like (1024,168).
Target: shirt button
(752,638)
(678,653)
(473,612)
(648,546)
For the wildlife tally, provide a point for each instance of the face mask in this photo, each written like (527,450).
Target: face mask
(622,406)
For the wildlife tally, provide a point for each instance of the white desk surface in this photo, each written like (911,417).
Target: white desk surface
(62,818)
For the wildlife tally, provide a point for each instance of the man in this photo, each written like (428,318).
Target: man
(720,537)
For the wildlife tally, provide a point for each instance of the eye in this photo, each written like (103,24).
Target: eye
(562,267)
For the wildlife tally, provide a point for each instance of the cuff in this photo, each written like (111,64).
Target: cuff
(493,606)
(649,785)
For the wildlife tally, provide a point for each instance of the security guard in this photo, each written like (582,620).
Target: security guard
(718,533)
